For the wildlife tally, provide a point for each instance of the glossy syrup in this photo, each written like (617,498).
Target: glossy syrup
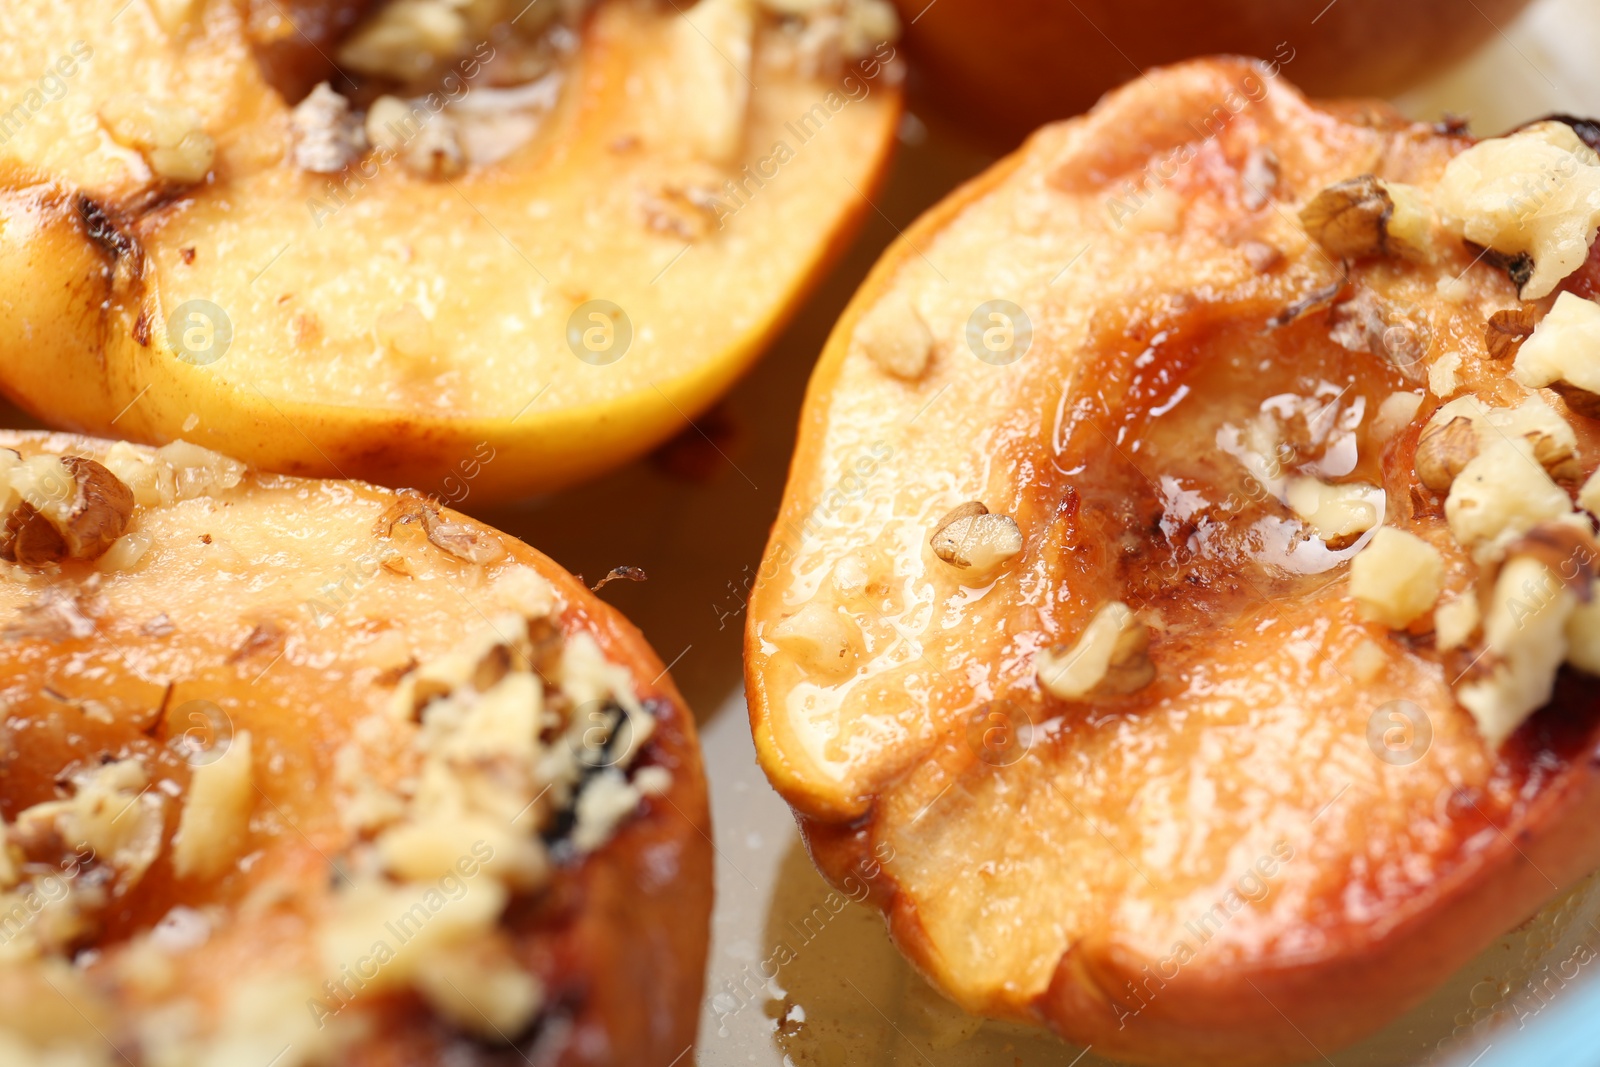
(1177,446)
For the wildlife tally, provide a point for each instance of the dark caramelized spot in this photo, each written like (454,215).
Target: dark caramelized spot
(102,229)
(294,41)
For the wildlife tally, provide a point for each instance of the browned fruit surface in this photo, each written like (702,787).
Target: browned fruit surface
(1272,827)
(254,804)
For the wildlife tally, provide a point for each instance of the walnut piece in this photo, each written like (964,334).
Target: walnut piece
(1348,219)
(1444,450)
(1261,256)
(326,136)
(1525,631)
(427,142)
(1338,514)
(824,639)
(969,538)
(1396,578)
(895,338)
(67,508)
(1505,331)
(1564,354)
(214,826)
(465,542)
(172,138)
(1534,193)
(1501,495)
(1110,657)
(1532,428)
(1455,621)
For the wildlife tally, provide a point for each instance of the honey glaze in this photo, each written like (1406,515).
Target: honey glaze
(1177,446)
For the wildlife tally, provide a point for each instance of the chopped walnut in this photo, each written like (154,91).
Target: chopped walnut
(481,988)
(1505,331)
(1339,514)
(1583,633)
(1525,637)
(1501,494)
(113,810)
(1444,450)
(1549,436)
(1259,178)
(1110,657)
(326,136)
(1564,354)
(1533,193)
(172,138)
(1262,257)
(1589,494)
(688,212)
(832,33)
(1455,621)
(68,508)
(1410,227)
(1394,415)
(427,142)
(895,338)
(970,538)
(173,15)
(466,542)
(406,332)
(1396,578)
(824,640)
(174,472)
(404,39)
(1444,375)
(1352,219)
(214,826)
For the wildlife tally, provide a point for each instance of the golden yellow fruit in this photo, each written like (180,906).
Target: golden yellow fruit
(537,272)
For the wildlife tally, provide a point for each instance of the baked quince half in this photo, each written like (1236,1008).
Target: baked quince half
(1187,567)
(385,240)
(310,772)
